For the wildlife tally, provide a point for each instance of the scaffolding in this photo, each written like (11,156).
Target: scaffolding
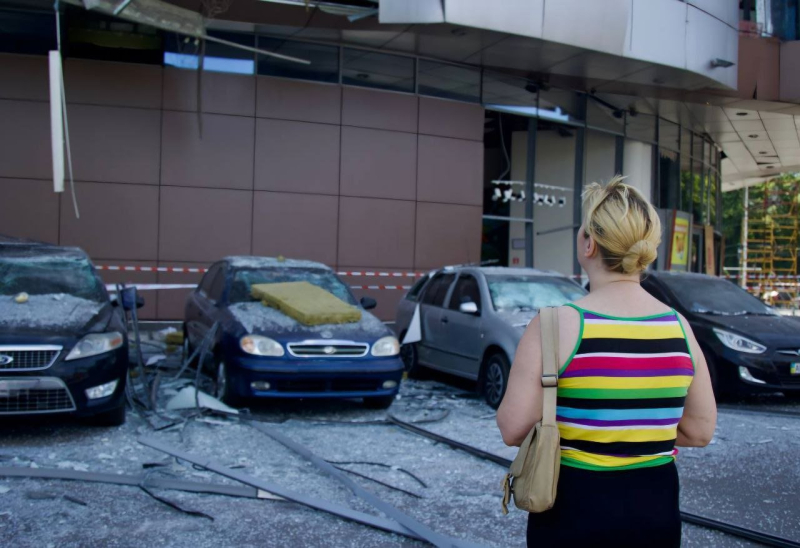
(772,242)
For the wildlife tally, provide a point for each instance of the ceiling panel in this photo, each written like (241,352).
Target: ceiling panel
(748,125)
(779,124)
(742,114)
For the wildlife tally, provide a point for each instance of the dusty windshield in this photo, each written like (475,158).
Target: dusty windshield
(529,293)
(715,296)
(38,275)
(243,279)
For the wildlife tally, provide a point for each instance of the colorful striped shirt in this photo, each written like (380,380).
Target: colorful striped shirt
(621,392)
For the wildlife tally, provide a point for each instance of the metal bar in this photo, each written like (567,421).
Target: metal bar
(390,511)
(741,532)
(530,175)
(509,219)
(329,507)
(619,154)
(136,480)
(580,161)
(573,226)
(121,6)
(502,461)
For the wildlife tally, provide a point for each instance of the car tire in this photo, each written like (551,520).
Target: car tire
(112,417)
(379,402)
(187,347)
(223,389)
(713,372)
(495,379)
(410,357)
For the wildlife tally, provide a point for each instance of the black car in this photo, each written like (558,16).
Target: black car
(748,346)
(63,347)
(260,352)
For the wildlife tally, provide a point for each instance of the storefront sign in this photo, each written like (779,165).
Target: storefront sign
(680,244)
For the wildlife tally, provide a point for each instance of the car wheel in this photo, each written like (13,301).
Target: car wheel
(187,347)
(223,390)
(382,402)
(496,379)
(408,353)
(716,383)
(112,417)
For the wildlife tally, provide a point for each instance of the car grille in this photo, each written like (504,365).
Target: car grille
(27,358)
(328,349)
(34,395)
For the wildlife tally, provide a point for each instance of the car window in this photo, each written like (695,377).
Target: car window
(413,293)
(513,293)
(205,283)
(465,291)
(714,296)
(437,291)
(50,275)
(244,278)
(217,285)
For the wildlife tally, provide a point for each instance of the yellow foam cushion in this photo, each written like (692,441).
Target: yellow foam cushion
(305,302)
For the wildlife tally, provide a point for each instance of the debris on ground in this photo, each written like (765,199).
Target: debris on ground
(190,398)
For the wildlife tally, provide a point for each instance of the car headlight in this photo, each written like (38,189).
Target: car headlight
(261,346)
(94,344)
(387,346)
(737,342)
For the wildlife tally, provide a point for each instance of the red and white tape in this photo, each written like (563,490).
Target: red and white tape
(195,270)
(155,287)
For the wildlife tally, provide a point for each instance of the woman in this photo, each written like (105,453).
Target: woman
(633,384)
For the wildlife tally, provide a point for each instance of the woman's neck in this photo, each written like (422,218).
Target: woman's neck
(606,280)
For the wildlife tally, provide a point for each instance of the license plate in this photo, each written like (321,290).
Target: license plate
(794,369)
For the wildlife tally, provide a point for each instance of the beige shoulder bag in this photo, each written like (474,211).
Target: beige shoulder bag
(533,476)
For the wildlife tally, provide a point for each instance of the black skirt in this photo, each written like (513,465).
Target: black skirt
(636,507)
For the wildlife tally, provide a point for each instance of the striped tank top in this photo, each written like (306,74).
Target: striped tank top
(621,392)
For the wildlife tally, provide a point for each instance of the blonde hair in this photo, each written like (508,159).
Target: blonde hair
(624,225)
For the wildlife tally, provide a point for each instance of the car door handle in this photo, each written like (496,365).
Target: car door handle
(445,320)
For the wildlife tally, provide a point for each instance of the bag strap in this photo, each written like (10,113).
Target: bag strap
(550,361)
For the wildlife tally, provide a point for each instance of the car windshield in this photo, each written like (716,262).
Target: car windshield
(244,278)
(530,293)
(41,275)
(715,296)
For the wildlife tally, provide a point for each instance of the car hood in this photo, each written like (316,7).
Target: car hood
(259,319)
(774,331)
(519,319)
(52,315)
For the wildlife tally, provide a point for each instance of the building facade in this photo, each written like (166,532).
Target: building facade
(419,134)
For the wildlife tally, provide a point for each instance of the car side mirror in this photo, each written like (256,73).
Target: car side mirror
(368,303)
(126,298)
(468,308)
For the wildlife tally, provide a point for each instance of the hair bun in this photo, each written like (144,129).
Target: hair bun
(639,255)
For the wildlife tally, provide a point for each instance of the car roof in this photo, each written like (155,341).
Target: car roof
(253,261)
(21,249)
(502,271)
(662,274)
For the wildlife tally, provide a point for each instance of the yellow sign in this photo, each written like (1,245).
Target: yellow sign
(680,242)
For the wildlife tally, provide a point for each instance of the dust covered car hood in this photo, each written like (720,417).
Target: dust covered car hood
(256,318)
(53,314)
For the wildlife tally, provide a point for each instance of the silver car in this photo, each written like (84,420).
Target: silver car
(472,318)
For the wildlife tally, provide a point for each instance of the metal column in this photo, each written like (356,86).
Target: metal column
(529,189)
(580,147)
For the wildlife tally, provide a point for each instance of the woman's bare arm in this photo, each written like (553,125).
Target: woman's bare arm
(699,420)
(521,408)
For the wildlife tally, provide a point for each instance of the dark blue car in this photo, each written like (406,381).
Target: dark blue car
(63,347)
(258,351)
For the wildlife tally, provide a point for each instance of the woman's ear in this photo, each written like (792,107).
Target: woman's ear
(590,247)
